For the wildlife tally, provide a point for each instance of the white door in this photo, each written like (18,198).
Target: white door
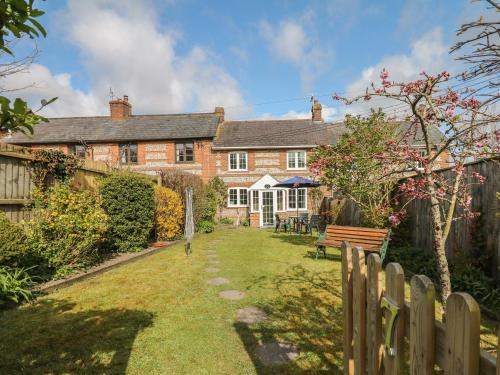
(268,208)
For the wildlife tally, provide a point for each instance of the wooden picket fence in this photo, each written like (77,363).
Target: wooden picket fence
(377,321)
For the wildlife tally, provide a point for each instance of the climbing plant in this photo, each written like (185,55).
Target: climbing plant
(49,166)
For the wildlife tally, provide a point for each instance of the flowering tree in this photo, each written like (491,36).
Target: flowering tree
(350,168)
(464,121)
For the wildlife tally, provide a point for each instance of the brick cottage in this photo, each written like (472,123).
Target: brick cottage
(249,156)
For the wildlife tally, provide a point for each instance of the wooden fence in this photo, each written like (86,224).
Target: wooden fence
(465,236)
(16,182)
(377,321)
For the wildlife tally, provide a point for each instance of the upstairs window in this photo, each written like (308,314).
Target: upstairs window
(296,160)
(238,197)
(128,153)
(184,152)
(78,150)
(238,161)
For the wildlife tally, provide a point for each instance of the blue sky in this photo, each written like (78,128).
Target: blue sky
(258,59)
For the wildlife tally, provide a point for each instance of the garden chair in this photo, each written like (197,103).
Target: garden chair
(314,222)
(281,224)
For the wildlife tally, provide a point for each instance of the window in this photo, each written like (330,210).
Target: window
(184,152)
(238,197)
(297,197)
(78,150)
(296,160)
(238,161)
(280,199)
(255,200)
(128,153)
(418,163)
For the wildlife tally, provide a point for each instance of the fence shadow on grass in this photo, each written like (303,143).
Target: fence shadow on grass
(307,314)
(296,239)
(50,337)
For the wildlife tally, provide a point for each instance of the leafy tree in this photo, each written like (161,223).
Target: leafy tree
(350,168)
(18,18)
(219,189)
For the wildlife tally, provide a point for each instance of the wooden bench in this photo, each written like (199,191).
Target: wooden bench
(370,239)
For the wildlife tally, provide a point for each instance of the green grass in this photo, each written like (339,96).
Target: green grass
(158,315)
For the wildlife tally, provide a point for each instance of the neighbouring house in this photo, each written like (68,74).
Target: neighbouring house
(249,156)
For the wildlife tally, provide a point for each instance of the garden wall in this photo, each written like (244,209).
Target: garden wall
(482,234)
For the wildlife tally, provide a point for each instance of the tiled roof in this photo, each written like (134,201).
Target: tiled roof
(290,133)
(134,128)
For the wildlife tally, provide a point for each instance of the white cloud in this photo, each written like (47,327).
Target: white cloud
(289,42)
(429,53)
(124,47)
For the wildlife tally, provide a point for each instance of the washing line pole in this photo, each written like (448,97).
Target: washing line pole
(189,224)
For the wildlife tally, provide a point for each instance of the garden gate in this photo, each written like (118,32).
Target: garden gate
(377,321)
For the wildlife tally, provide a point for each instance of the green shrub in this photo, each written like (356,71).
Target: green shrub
(245,222)
(128,199)
(205,226)
(67,228)
(15,285)
(13,246)
(226,220)
(169,214)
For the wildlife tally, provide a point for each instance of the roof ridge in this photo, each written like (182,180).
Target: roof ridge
(132,116)
(269,120)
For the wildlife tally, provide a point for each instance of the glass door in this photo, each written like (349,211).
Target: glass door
(267,212)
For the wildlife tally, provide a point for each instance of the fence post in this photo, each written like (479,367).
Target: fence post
(462,335)
(373,315)
(347,306)
(359,310)
(422,322)
(395,294)
(498,351)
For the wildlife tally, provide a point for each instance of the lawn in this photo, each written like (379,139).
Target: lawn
(158,315)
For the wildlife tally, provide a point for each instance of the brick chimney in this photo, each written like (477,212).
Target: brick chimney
(316,111)
(120,108)
(220,111)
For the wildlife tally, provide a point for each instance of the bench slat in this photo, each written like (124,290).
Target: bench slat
(358,239)
(334,232)
(354,244)
(359,229)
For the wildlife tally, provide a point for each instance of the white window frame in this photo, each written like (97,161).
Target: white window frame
(418,164)
(238,194)
(252,206)
(296,200)
(238,167)
(284,200)
(296,161)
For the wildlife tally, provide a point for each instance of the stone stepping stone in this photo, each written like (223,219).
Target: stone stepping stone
(232,295)
(212,256)
(276,353)
(212,269)
(218,281)
(211,251)
(250,315)
(213,262)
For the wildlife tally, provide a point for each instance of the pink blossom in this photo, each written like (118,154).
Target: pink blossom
(384,74)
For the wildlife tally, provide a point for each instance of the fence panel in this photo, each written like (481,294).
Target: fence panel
(422,317)
(453,346)
(374,315)
(359,310)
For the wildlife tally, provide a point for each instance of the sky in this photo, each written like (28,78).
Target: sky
(258,59)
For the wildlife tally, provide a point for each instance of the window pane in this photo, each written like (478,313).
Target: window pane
(243,197)
(243,160)
(133,153)
(233,161)
(179,152)
(189,151)
(292,198)
(255,200)
(291,159)
(302,198)
(123,153)
(301,159)
(280,200)
(233,197)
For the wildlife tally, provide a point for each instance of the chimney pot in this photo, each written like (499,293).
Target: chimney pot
(316,111)
(220,111)
(120,109)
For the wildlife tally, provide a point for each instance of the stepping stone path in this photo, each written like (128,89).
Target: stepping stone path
(212,256)
(218,281)
(250,315)
(213,262)
(276,353)
(212,269)
(232,294)
(211,251)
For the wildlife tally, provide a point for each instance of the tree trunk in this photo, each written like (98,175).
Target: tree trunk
(439,244)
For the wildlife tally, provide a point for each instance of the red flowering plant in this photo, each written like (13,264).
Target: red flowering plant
(468,132)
